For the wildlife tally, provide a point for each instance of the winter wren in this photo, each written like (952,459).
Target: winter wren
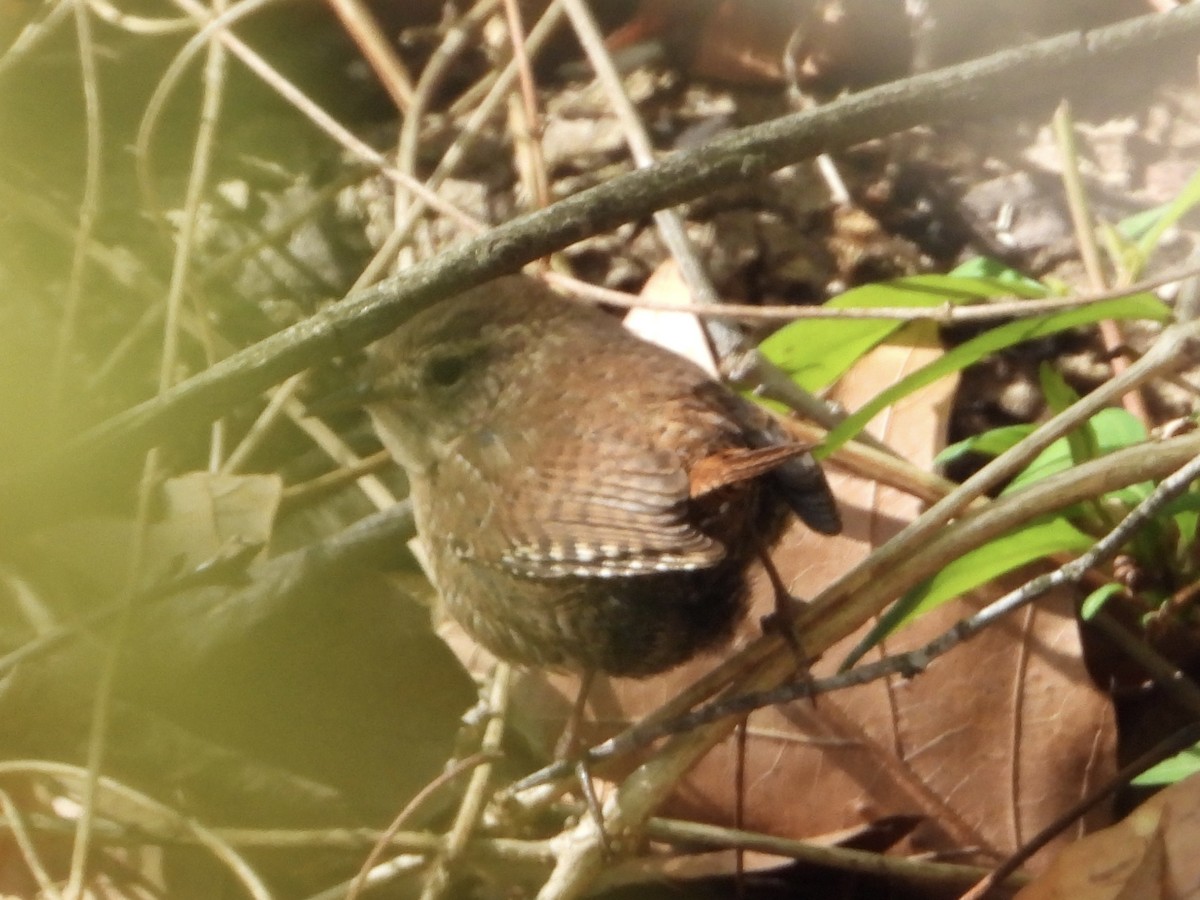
(585,499)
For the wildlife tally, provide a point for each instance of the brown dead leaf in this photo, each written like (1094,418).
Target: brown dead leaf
(209,514)
(679,332)
(833,42)
(1148,855)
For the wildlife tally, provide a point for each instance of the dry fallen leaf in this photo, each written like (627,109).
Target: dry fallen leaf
(1148,855)
(209,514)
(832,42)
(679,332)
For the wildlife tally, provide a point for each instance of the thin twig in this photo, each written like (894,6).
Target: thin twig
(156,811)
(105,682)
(332,444)
(140,25)
(202,153)
(278,398)
(216,28)
(820,853)
(33,33)
(670,223)
(1077,200)
(89,206)
(337,478)
(1005,307)
(531,163)
(143,144)
(385,839)
(437,881)
(455,41)
(457,38)
(25,844)
(457,152)
(1089,249)
(378,51)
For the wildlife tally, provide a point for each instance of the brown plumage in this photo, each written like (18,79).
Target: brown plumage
(585,499)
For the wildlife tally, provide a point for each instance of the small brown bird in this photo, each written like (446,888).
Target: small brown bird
(585,499)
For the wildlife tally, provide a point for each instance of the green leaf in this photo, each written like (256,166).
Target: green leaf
(990,443)
(1015,282)
(1187,503)
(1082,442)
(1034,541)
(1131,495)
(1059,394)
(1117,428)
(1138,306)
(1095,601)
(816,352)
(1169,771)
(1114,429)
(1172,213)
(1135,227)
(1186,523)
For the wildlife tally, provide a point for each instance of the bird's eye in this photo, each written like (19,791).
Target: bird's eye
(446,371)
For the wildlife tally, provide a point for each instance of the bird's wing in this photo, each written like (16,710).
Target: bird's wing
(571,507)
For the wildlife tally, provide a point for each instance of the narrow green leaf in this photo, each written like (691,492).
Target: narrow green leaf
(1135,227)
(1172,770)
(990,443)
(1117,428)
(996,271)
(1186,523)
(1095,601)
(1174,211)
(1037,540)
(1139,306)
(1114,429)
(1059,394)
(1082,442)
(1034,541)
(816,352)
